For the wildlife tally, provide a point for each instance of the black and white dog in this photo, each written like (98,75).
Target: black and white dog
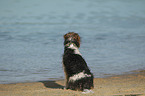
(77,73)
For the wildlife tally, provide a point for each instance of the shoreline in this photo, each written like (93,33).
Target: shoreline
(131,84)
(58,79)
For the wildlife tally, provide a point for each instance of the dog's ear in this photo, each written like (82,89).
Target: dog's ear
(65,36)
(77,38)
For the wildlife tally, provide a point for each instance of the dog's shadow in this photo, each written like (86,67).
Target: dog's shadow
(52,84)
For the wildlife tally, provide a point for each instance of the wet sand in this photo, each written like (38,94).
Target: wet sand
(121,85)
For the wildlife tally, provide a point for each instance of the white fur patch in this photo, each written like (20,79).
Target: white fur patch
(78,76)
(76,49)
(70,38)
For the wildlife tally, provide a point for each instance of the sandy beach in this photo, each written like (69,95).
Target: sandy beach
(120,85)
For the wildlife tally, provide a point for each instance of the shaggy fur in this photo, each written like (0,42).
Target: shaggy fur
(77,73)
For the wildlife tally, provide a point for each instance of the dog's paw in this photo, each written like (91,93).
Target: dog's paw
(86,91)
(64,88)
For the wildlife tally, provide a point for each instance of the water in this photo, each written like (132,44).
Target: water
(31,37)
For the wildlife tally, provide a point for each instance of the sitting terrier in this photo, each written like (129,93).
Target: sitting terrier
(77,73)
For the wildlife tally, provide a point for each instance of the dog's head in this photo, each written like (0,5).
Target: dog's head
(72,37)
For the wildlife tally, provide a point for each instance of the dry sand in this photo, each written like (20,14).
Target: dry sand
(121,85)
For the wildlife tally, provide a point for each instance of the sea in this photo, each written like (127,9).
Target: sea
(31,37)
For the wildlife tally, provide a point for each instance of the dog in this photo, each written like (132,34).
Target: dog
(77,73)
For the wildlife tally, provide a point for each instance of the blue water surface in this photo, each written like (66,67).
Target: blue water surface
(31,37)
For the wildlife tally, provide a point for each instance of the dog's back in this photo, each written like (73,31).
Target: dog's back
(78,75)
